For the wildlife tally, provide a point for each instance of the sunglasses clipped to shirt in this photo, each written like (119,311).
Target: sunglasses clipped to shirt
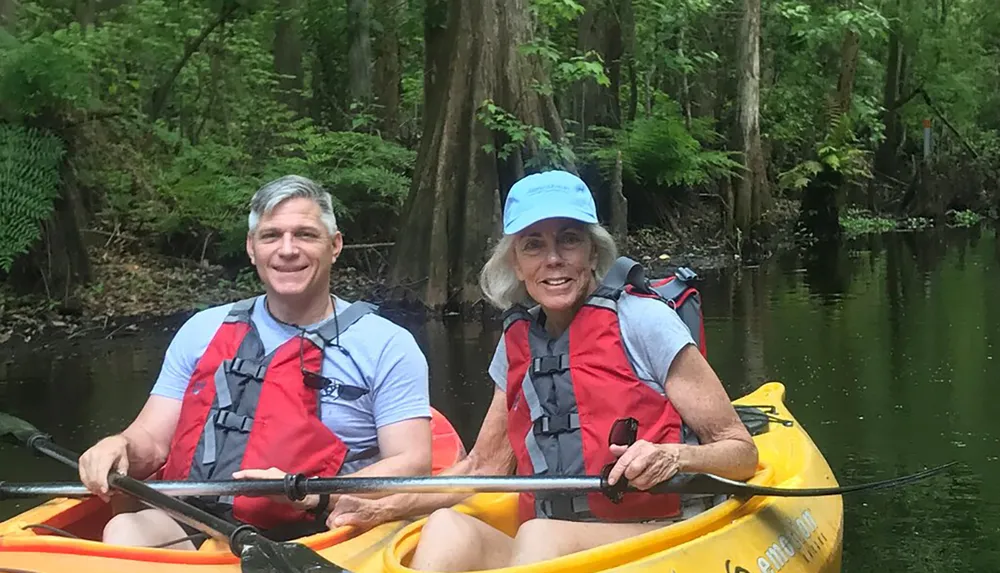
(330,388)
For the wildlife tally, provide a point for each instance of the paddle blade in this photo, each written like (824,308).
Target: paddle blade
(265,556)
(15,429)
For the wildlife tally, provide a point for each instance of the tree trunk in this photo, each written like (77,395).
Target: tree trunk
(599,31)
(628,40)
(288,54)
(84,10)
(619,207)
(359,52)
(453,210)
(885,157)
(820,211)
(8,15)
(387,68)
(849,49)
(749,187)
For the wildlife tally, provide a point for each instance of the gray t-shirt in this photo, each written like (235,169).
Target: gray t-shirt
(653,334)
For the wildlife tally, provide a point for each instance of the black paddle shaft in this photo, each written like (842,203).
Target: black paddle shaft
(184,512)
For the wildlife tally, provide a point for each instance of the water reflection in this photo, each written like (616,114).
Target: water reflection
(887,345)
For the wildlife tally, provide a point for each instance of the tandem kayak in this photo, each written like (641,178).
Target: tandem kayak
(35,541)
(759,534)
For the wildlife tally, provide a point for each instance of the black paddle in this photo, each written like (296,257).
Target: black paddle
(296,487)
(257,553)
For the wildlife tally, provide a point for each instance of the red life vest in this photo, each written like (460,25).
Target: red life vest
(243,409)
(564,394)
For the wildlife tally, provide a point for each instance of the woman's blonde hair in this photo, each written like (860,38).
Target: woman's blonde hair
(501,285)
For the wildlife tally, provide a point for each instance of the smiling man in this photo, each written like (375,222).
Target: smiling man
(295,380)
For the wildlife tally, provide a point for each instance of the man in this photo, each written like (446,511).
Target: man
(295,380)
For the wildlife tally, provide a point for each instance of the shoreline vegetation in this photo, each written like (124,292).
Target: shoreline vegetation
(136,290)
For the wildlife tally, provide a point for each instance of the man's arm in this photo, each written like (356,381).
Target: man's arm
(138,451)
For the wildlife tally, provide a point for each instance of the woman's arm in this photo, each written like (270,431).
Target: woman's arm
(696,392)
(726,447)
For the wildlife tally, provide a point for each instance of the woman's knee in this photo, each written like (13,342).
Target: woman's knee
(446,524)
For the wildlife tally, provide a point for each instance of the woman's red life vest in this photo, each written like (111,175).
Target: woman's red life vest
(564,394)
(243,409)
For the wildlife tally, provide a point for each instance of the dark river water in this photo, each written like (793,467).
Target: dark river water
(888,346)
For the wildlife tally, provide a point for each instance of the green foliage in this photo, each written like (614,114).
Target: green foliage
(44,74)
(29,184)
(839,152)
(660,151)
(540,150)
(857,222)
(965,218)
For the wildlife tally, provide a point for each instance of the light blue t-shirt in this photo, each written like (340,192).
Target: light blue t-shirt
(376,354)
(653,334)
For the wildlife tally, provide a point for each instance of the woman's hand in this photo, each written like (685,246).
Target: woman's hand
(645,464)
(360,512)
(305,504)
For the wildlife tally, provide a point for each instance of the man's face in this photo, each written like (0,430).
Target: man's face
(293,250)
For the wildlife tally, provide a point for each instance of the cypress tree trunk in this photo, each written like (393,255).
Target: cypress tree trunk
(454,206)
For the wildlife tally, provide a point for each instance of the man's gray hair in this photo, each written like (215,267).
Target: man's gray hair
(290,187)
(501,285)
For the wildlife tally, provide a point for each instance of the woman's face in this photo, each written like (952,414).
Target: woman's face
(555,258)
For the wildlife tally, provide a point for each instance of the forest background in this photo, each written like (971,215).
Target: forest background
(712,132)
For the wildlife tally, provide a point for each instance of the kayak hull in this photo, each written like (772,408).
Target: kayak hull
(39,549)
(755,535)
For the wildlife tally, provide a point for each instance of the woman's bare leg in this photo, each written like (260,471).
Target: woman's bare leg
(453,541)
(541,539)
(145,528)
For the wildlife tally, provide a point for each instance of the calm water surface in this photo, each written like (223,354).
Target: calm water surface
(889,348)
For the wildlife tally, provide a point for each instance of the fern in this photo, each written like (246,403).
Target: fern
(29,184)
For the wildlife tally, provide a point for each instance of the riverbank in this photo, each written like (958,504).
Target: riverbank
(135,290)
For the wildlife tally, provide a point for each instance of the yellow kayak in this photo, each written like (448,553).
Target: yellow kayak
(758,535)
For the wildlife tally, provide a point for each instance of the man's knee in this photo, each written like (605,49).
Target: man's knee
(120,527)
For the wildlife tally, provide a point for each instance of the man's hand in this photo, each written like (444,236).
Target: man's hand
(109,454)
(305,504)
(360,512)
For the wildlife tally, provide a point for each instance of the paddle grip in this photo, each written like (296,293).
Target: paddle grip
(294,489)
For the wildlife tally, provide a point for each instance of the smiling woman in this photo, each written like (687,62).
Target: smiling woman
(584,356)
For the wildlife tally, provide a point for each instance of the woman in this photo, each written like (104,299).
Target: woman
(565,371)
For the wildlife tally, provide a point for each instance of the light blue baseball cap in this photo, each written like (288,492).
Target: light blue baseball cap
(546,195)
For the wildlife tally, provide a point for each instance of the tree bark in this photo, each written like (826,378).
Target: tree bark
(599,30)
(750,185)
(453,210)
(359,52)
(619,207)
(8,15)
(387,67)
(849,49)
(288,54)
(885,157)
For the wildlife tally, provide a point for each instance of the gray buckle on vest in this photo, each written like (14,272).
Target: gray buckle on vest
(233,421)
(566,507)
(544,365)
(550,425)
(248,368)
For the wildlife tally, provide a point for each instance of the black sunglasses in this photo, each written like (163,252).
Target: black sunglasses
(624,432)
(330,388)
